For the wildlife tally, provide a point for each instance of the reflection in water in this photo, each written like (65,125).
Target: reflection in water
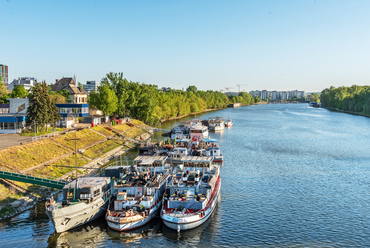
(88,235)
(148,230)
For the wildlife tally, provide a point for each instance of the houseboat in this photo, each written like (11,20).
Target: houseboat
(84,200)
(216,123)
(192,193)
(138,194)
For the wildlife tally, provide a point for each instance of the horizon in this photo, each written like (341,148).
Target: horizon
(282,46)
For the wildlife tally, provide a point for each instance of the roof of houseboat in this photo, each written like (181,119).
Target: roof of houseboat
(88,182)
(148,160)
(196,159)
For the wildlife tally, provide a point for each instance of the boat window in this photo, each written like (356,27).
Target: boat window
(97,192)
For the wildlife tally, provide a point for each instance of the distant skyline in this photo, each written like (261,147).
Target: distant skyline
(272,45)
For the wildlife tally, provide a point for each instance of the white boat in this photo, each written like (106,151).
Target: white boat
(229,123)
(191,195)
(179,132)
(138,194)
(81,203)
(198,132)
(216,123)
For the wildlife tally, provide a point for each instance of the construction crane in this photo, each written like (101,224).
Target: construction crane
(240,85)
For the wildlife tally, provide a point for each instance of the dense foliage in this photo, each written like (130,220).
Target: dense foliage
(355,98)
(42,109)
(149,104)
(3,92)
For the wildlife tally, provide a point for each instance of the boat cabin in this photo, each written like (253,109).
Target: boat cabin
(87,189)
(198,132)
(142,183)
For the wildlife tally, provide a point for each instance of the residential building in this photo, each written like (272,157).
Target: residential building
(13,116)
(70,111)
(91,86)
(26,82)
(274,95)
(4,75)
(264,95)
(77,94)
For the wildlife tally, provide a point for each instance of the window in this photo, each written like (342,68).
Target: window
(96,192)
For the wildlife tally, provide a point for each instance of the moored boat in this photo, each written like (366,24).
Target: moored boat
(216,123)
(191,195)
(229,123)
(138,194)
(84,200)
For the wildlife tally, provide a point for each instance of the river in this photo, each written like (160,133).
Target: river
(293,176)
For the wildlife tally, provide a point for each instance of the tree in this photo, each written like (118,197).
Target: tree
(104,100)
(19,91)
(42,109)
(192,88)
(3,92)
(66,95)
(56,97)
(120,87)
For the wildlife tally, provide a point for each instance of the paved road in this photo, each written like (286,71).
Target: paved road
(12,139)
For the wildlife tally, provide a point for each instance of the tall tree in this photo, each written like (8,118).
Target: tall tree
(37,108)
(119,86)
(104,100)
(19,91)
(42,109)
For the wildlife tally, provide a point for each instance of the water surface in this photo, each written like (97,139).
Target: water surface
(292,176)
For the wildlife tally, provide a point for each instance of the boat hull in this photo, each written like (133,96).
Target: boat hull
(182,224)
(135,224)
(70,217)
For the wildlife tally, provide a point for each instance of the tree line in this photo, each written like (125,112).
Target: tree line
(355,98)
(119,97)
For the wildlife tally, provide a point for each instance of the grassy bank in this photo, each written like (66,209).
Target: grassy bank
(35,154)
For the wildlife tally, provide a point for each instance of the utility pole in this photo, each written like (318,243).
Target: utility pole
(34,126)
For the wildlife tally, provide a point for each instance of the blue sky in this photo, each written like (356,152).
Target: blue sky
(273,45)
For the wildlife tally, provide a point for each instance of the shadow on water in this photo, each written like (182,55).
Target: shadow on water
(83,236)
(148,230)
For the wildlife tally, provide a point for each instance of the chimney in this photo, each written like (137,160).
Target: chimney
(56,80)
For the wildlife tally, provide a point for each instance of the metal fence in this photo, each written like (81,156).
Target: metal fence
(54,134)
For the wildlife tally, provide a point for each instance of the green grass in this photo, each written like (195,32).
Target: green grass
(101,129)
(133,133)
(55,171)
(121,127)
(100,149)
(42,132)
(84,137)
(28,155)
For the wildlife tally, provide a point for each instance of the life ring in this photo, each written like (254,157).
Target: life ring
(195,138)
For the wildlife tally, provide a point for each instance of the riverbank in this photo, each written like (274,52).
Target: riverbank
(347,112)
(96,146)
(205,111)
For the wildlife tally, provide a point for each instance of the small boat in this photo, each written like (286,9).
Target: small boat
(138,194)
(229,123)
(216,123)
(84,200)
(192,193)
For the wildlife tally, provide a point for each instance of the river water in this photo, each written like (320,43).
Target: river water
(293,176)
